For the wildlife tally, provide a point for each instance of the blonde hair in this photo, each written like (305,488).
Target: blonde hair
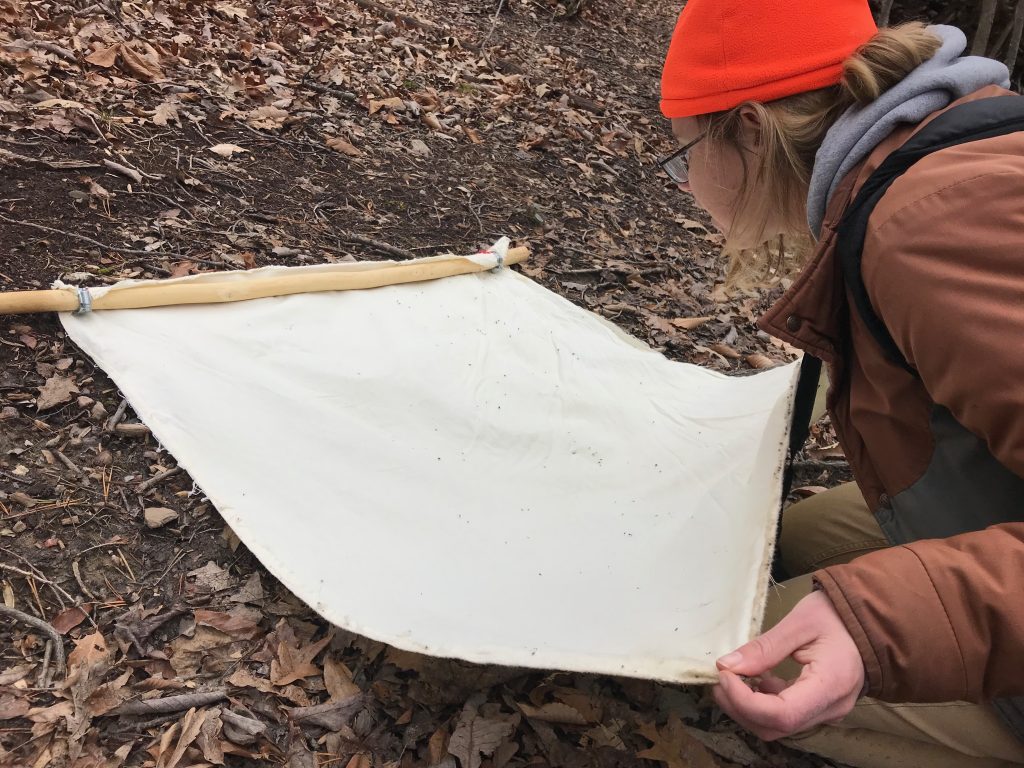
(791,131)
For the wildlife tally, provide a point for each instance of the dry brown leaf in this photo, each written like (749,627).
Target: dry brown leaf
(12,706)
(689,323)
(430,120)
(191,724)
(338,679)
(227,150)
(166,112)
(726,351)
(52,713)
(674,746)
(89,650)
(108,696)
(362,760)
(331,715)
(339,144)
(70,618)
(188,653)
(553,712)
(104,57)
(267,118)
(234,624)
(209,741)
(211,577)
(437,747)
(295,663)
(759,361)
(395,104)
(55,391)
(477,737)
(157,517)
(143,65)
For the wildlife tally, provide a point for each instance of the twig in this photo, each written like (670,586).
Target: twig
(97,243)
(169,703)
(44,673)
(391,250)
(54,165)
(346,95)
(494,23)
(75,569)
(124,170)
(42,626)
(28,42)
(115,419)
(157,479)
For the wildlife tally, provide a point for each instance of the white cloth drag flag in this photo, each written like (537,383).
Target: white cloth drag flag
(471,467)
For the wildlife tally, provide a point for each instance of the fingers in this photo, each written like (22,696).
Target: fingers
(801,705)
(769,683)
(774,646)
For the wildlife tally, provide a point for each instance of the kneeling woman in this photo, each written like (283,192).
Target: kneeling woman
(899,639)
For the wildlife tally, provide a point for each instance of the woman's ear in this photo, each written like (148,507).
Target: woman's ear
(750,125)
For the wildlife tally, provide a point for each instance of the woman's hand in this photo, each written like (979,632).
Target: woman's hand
(829,684)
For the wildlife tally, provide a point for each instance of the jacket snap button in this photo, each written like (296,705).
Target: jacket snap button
(793,323)
(884,501)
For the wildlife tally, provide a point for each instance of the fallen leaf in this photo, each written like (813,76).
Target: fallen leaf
(331,715)
(726,351)
(240,729)
(191,724)
(157,517)
(339,144)
(211,577)
(395,104)
(227,150)
(232,623)
(58,104)
(477,737)
(295,663)
(52,713)
(338,679)
(267,118)
(553,712)
(231,11)
(145,66)
(168,111)
(56,390)
(689,323)
(674,746)
(89,650)
(70,618)
(419,148)
(12,706)
(251,591)
(104,57)
(760,362)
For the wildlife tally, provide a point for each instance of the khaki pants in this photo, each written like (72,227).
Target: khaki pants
(835,527)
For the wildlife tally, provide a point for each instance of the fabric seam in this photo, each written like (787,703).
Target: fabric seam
(952,629)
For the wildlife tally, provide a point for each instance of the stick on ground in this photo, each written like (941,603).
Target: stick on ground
(42,626)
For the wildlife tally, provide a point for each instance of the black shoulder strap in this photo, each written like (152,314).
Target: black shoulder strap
(975,120)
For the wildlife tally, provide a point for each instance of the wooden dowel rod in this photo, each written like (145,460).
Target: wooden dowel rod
(159,293)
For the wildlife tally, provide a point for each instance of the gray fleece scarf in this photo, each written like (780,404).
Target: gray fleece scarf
(945,77)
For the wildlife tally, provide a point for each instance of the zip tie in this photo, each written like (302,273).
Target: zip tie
(84,301)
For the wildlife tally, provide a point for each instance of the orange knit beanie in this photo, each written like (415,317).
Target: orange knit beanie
(725,52)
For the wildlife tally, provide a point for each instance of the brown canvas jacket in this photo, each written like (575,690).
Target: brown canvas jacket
(939,619)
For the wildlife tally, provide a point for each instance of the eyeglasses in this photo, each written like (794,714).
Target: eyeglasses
(677,165)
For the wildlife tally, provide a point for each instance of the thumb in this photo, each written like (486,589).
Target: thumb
(774,646)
